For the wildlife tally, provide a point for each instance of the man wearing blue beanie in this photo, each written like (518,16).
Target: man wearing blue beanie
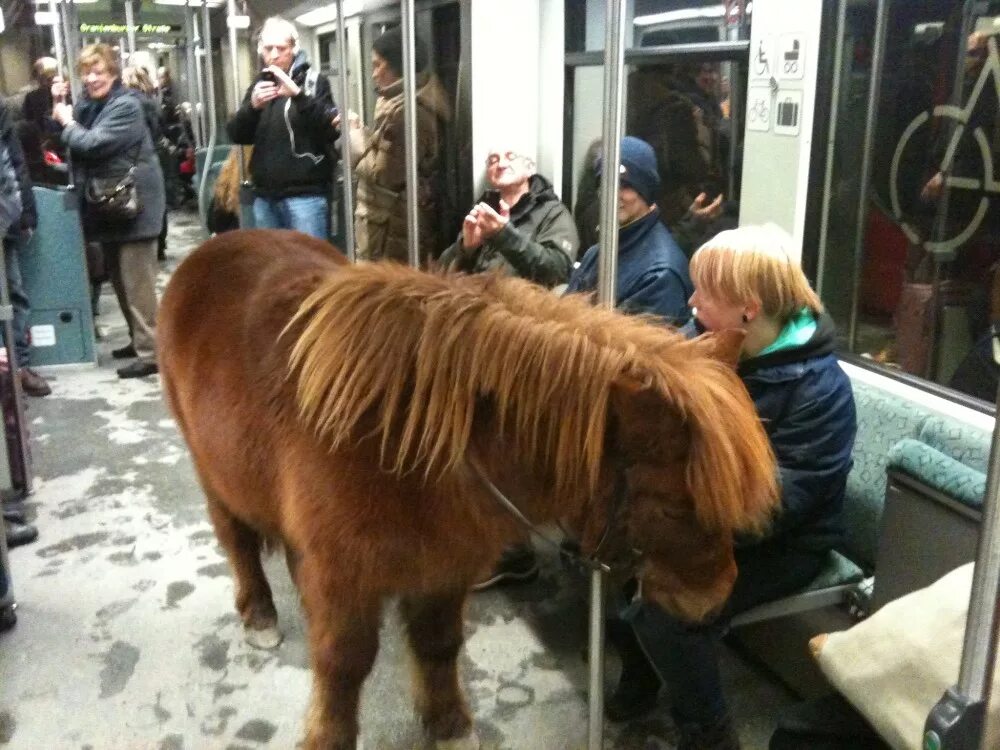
(652,269)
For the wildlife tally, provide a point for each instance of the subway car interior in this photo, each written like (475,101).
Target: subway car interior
(867,130)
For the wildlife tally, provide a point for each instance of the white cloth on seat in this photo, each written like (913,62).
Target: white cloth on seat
(896,665)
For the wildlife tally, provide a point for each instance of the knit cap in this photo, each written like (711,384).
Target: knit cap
(638,168)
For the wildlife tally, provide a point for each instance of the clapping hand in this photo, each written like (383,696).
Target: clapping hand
(704,213)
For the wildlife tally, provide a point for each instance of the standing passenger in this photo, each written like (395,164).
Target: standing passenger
(745,279)
(15,243)
(107,136)
(380,155)
(286,116)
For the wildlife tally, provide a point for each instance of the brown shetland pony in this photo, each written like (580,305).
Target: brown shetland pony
(337,409)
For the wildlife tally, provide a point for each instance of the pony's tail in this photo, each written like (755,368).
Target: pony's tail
(731,468)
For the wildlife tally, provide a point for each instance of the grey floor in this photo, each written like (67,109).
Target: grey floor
(127,636)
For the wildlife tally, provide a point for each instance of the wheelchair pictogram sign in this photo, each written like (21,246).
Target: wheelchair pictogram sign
(982,180)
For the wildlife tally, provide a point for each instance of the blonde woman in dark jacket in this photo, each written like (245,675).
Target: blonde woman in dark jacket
(107,135)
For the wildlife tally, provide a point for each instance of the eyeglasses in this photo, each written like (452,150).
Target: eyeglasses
(509,156)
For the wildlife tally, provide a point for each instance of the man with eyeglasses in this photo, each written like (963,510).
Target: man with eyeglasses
(526,232)
(521,228)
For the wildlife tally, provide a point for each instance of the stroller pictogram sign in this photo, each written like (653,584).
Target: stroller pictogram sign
(791,56)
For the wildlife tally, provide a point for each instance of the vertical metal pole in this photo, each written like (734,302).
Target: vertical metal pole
(958,719)
(206,28)
(193,73)
(130,29)
(614,72)
(831,141)
(344,95)
(71,27)
(871,120)
(410,123)
(7,317)
(57,39)
(199,103)
(234,61)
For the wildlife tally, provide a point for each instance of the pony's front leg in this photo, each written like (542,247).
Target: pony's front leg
(434,632)
(343,642)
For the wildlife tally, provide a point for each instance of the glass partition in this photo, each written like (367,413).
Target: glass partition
(679,103)
(926,288)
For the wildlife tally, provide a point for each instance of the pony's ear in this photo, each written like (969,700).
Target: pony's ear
(722,345)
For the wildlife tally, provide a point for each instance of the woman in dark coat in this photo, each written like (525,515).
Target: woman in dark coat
(107,135)
(745,279)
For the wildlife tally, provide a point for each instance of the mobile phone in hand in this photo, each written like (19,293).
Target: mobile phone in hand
(492,199)
(269,76)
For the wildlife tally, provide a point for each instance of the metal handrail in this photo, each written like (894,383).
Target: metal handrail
(212,119)
(345,135)
(410,129)
(738,50)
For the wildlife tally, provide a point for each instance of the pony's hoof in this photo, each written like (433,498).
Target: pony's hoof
(468,742)
(265,638)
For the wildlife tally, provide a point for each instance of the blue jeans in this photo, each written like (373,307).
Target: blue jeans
(685,656)
(12,249)
(306,213)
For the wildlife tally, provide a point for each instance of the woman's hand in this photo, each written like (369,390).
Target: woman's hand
(60,89)
(353,119)
(62,113)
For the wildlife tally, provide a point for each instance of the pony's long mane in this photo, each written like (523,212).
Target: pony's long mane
(419,352)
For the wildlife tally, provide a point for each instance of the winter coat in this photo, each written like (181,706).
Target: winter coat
(380,216)
(806,405)
(652,271)
(108,137)
(10,193)
(29,213)
(539,242)
(292,138)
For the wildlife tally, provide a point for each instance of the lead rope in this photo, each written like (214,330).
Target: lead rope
(591,562)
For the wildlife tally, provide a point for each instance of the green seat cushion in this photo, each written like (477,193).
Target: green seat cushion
(967,445)
(939,470)
(883,420)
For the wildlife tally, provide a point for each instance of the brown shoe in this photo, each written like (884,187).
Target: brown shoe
(33,384)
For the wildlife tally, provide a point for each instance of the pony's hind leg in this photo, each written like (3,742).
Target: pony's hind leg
(434,632)
(253,594)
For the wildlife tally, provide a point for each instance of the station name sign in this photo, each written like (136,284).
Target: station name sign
(121,28)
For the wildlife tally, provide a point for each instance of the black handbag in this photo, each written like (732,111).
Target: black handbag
(113,199)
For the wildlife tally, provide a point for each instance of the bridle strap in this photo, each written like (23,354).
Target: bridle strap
(593,561)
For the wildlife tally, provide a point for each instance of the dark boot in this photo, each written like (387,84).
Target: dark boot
(719,736)
(639,684)
(19,533)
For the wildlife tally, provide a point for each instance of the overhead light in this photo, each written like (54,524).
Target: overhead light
(686,14)
(193,3)
(2,25)
(46,18)
(328,13)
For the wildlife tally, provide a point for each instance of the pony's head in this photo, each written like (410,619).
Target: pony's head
(697,468)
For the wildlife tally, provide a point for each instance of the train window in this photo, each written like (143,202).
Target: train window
(918,293)
(652,23)
(680,107)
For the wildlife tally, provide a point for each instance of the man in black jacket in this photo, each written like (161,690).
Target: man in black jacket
(528,232)
(14,243)
(286,115)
